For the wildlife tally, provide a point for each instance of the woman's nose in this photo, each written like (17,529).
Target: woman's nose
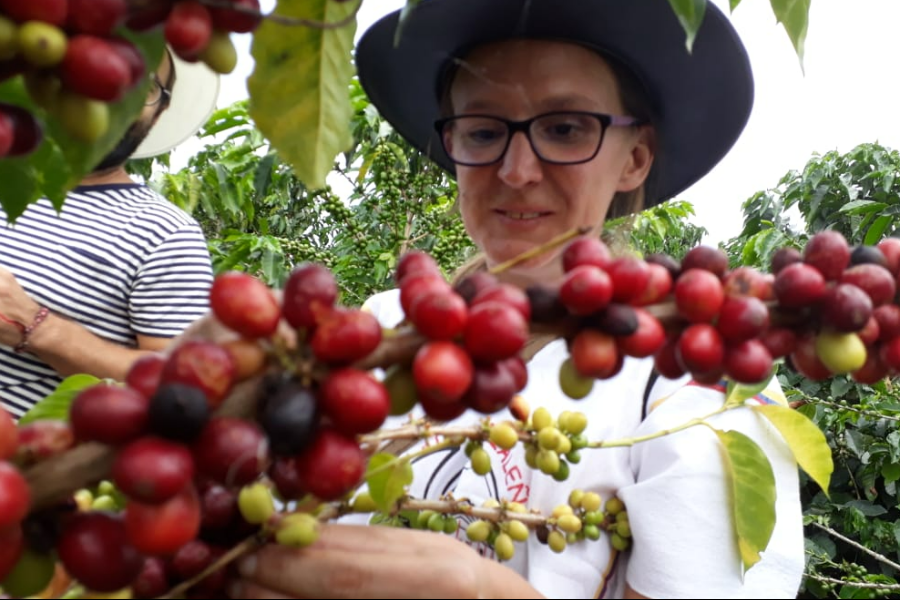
(521,165)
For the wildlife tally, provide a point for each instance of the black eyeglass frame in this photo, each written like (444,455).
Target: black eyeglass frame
(165,95)
(606,121)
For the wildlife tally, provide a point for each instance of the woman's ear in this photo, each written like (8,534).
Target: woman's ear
(637,167)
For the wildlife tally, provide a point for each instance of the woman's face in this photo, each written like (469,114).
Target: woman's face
(520,201)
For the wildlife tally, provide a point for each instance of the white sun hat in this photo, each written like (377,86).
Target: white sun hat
(193,101)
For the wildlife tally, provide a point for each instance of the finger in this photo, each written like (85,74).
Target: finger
(346,574)
(365,538)
(242,588)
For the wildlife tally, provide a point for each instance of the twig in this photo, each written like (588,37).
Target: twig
(247,545)
(464,507)
(875,555)
(283,20)
(861,411)
(857,584)
(538,250)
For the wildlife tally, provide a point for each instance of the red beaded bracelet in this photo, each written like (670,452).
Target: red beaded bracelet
(26,333)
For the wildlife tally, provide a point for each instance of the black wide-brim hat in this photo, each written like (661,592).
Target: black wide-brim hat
(701,99)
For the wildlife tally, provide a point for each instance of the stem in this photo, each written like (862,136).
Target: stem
(857,584)
(538,250)
(880,558)
(448,443)
(247,545)
(283,20)
(663,432)
(464,507)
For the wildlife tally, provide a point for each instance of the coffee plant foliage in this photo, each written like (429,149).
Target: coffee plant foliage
(858,194)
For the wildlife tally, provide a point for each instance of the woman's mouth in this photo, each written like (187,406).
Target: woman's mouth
(523,216)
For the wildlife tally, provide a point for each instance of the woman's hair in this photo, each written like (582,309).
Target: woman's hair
(636,102)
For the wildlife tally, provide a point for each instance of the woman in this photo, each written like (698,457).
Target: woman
(545,131)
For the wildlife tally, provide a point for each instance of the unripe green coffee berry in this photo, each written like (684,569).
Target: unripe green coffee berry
(577,423)
(363,502)
(470,447)
(504,546)
(569,523)
(593,517)
(614,506)
(479,531)
(104,502)
(541,418)
(548,461)
(105,488)
(297,530)
(531,453)
(622,516)
(591,501)
(572,538)
(516,507)
(491,503)
(255,503)
(618,542)
(592,532)
(548,438)
(572,383)
(481,461)
(623,528)
(517,530)
(579,442)
(575,498)
(423,519)
(436,522)
(557,541)
(562,473)
(573,457)
(504,436)
(450,524)
(564,446)
(560,510)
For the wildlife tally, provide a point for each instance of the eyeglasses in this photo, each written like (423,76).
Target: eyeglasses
(157,92)
(562,137)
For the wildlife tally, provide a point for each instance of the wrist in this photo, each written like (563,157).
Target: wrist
(30,329)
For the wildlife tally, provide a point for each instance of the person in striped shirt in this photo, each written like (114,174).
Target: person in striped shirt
(119,271)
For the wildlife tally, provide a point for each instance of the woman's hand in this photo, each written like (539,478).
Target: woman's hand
(361,561)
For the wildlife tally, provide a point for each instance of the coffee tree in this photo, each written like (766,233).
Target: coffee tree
(190,450)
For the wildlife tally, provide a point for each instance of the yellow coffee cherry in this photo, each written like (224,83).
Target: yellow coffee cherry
(256,503)
(517,530)
(479,531)
(575,498)
(569,523)
(614,506)
(504,546)
(504,436)
(557,541)
(541,418)
(297,530)
(591,501)
(560,510)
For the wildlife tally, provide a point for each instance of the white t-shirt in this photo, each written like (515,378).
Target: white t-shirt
(674,489)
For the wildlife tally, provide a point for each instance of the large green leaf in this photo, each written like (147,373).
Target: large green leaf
(61,161)
(56,405)
(690,15)
(299,89)
(805,440)
(387,478)
(752,484)
(794,17)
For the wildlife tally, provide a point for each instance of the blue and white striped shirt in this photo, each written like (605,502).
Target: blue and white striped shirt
(119,259)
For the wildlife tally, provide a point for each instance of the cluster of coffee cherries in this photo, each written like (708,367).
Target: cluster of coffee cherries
(75,62)
(827,310)
(584,517)
(198,31)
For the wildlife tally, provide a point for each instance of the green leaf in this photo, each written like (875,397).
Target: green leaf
(299,88)
(738,393)
(734,4)
(794,16)
(805,440)
(876,231)
(61,161)
(752,484)
(56,405)
(890,471)
(690,15)
(387,478)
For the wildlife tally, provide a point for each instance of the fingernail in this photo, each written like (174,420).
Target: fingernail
(247,566)
(235,589)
